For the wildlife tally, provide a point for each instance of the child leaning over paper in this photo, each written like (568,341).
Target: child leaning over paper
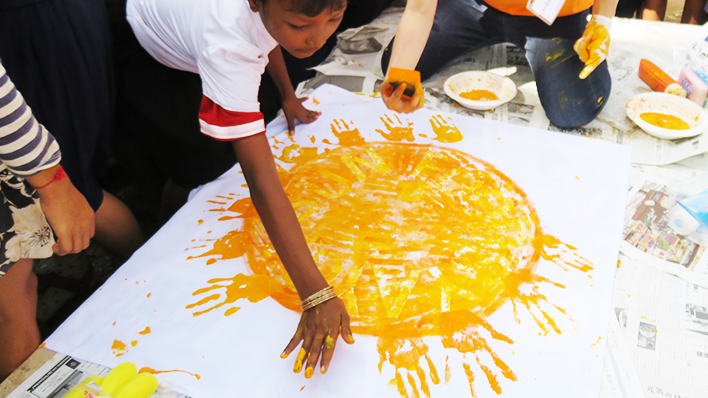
(566,57)
(229,43)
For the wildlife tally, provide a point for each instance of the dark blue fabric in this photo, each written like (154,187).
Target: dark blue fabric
(462,26)
(57,52)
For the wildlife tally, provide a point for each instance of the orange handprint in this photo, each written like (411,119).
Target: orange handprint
(346,135)
(397,131)
(445,129)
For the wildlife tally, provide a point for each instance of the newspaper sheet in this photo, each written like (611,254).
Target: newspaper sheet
(57,377)
(355,64)
(62,373)
(620,378)
(664,320)
(647,235)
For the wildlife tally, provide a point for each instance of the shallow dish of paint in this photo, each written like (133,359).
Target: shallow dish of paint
(482,84)
(672,106)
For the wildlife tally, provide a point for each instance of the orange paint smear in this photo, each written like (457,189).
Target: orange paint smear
(479,95)
(119,348)
(154,372)
(146,331)
(296,154)
(251,287)
(452,240)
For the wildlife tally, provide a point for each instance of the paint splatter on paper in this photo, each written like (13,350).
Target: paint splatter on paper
(419,241)
(154,372)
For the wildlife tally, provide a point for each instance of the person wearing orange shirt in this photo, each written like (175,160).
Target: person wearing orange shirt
(567,57)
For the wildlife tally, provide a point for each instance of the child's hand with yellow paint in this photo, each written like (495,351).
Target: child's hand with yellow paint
(319,329)
(594,45)
(402,91)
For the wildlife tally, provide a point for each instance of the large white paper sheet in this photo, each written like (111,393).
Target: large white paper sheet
(577,186)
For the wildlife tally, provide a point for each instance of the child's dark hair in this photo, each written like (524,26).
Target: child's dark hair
(313,8)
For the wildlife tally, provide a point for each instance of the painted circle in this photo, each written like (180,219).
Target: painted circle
(405,232)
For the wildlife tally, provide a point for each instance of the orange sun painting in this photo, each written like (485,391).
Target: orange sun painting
(419,241)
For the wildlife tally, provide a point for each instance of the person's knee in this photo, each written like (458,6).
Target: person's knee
(19,347)
(572,117)
(574,108)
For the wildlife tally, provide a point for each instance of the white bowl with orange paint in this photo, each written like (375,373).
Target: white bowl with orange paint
(502,87)
(667,104)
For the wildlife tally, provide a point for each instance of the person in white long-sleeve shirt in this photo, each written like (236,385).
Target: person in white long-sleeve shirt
(36,197)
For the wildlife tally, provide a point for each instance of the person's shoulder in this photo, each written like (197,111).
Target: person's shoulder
(241,21)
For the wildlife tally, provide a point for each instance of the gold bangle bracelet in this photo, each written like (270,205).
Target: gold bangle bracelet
(318,298)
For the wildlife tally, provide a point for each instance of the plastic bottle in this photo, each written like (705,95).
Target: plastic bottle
(694,85)
(658,80)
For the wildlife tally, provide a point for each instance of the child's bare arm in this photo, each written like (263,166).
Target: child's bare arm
(413,32)
(292,106)
(320,326)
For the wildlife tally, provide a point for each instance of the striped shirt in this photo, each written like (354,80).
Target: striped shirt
(26,147)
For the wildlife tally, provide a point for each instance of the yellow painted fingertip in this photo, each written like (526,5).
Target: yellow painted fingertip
(586,72)
(298,361)
(323,369)
(301,355)
(309,372)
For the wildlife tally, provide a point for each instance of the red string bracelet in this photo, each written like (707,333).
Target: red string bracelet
(59,175)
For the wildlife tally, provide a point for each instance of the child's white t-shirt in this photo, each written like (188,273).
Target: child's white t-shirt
(221,40)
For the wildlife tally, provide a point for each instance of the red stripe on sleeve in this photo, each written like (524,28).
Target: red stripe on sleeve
(223,124)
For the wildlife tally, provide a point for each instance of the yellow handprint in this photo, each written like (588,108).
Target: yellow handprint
(346,135)
(397,131)
(445,129)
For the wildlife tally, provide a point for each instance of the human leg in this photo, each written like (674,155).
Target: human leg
(117,230)
(694,13)
(19,333)
(460,26)
(654,10)
(568,100)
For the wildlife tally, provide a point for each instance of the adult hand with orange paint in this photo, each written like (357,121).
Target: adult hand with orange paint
(319,329)
(594,45)
(402,91)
